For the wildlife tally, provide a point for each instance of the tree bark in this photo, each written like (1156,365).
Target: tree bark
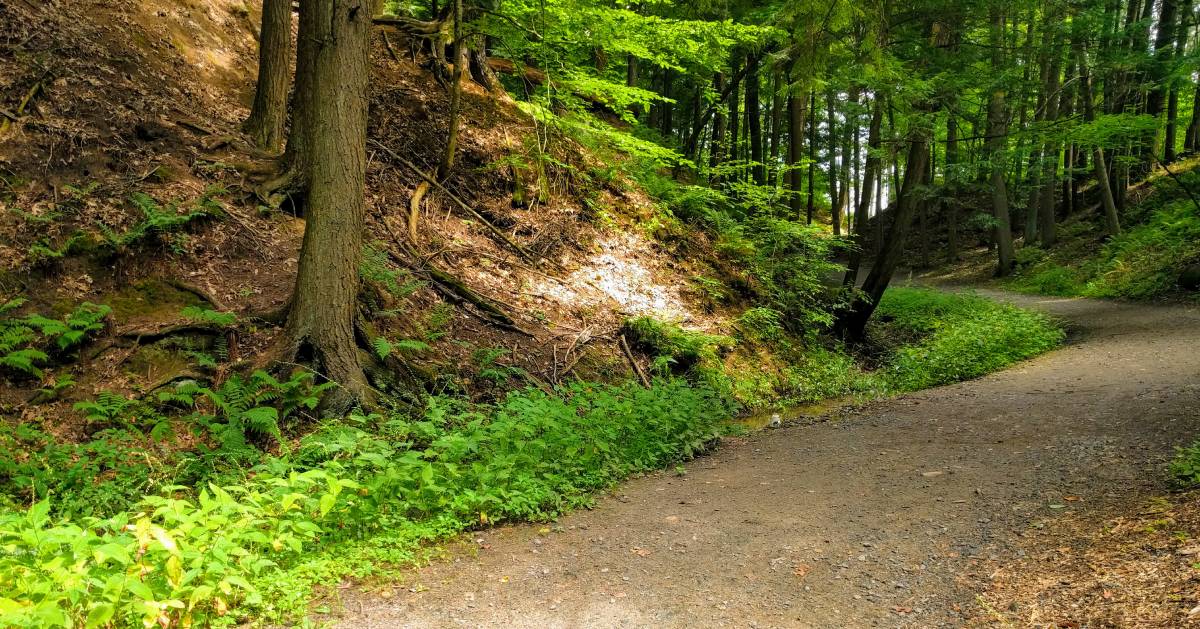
(268,115)
(835,210)
(812,156)
(952,246)
(863,209)
(720,122)
(1112,223)
(754,118)
(797,106)
(853,322)
(320,322)
(997,138)
(1050,153)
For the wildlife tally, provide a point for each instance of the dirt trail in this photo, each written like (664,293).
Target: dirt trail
(886,516)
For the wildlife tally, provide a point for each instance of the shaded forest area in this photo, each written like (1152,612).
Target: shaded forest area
(293,291)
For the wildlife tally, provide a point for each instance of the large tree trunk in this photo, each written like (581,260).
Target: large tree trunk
(268,116)
(797,106)
(863,209)
(1164,40)
(754,118)
(320,322)
(853,321)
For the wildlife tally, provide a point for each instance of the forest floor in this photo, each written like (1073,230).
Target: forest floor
(932,509)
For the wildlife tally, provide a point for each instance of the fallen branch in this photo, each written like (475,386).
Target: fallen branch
(633,362)
(453,288)
(522,251)
(4,127)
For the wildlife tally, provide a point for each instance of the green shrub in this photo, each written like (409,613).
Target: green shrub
(1049,278)
(676,350)
(191,558)
(26,343)
(959,337)
(1185,467)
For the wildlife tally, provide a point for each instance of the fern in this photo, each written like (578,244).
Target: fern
(384,348)
(207,315)
(24,340)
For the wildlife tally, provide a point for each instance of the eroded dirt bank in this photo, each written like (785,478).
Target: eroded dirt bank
(887,516)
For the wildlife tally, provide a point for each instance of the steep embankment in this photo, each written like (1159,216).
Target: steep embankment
(895,515)
(127,183)
(1156,256)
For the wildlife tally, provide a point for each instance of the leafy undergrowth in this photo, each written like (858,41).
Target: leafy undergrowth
(140,529)
(1082,571)
(957,337)
(180,557)
(1160,242)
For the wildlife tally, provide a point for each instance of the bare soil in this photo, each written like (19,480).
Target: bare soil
(897,514)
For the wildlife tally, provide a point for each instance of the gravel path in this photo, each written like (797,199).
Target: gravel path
(885,516)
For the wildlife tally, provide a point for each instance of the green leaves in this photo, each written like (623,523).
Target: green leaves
(26,342)
(193,559)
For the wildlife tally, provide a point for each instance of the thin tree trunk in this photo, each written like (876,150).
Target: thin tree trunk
(997,138)
(735,116)
(447,161)
(812,155)
(952,202)
(1181,36)
(754,118)
(778,101)
(1112,224)
(1050,154)
(668,108)
(321,318)
(797,106)
(720,122)
(835,210)
(850,133)
(1191,138)
(268,116)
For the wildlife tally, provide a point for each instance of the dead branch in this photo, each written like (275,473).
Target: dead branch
(453,288)
(4,126)
(633,361)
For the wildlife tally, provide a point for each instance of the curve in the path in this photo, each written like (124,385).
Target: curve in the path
(883,517)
